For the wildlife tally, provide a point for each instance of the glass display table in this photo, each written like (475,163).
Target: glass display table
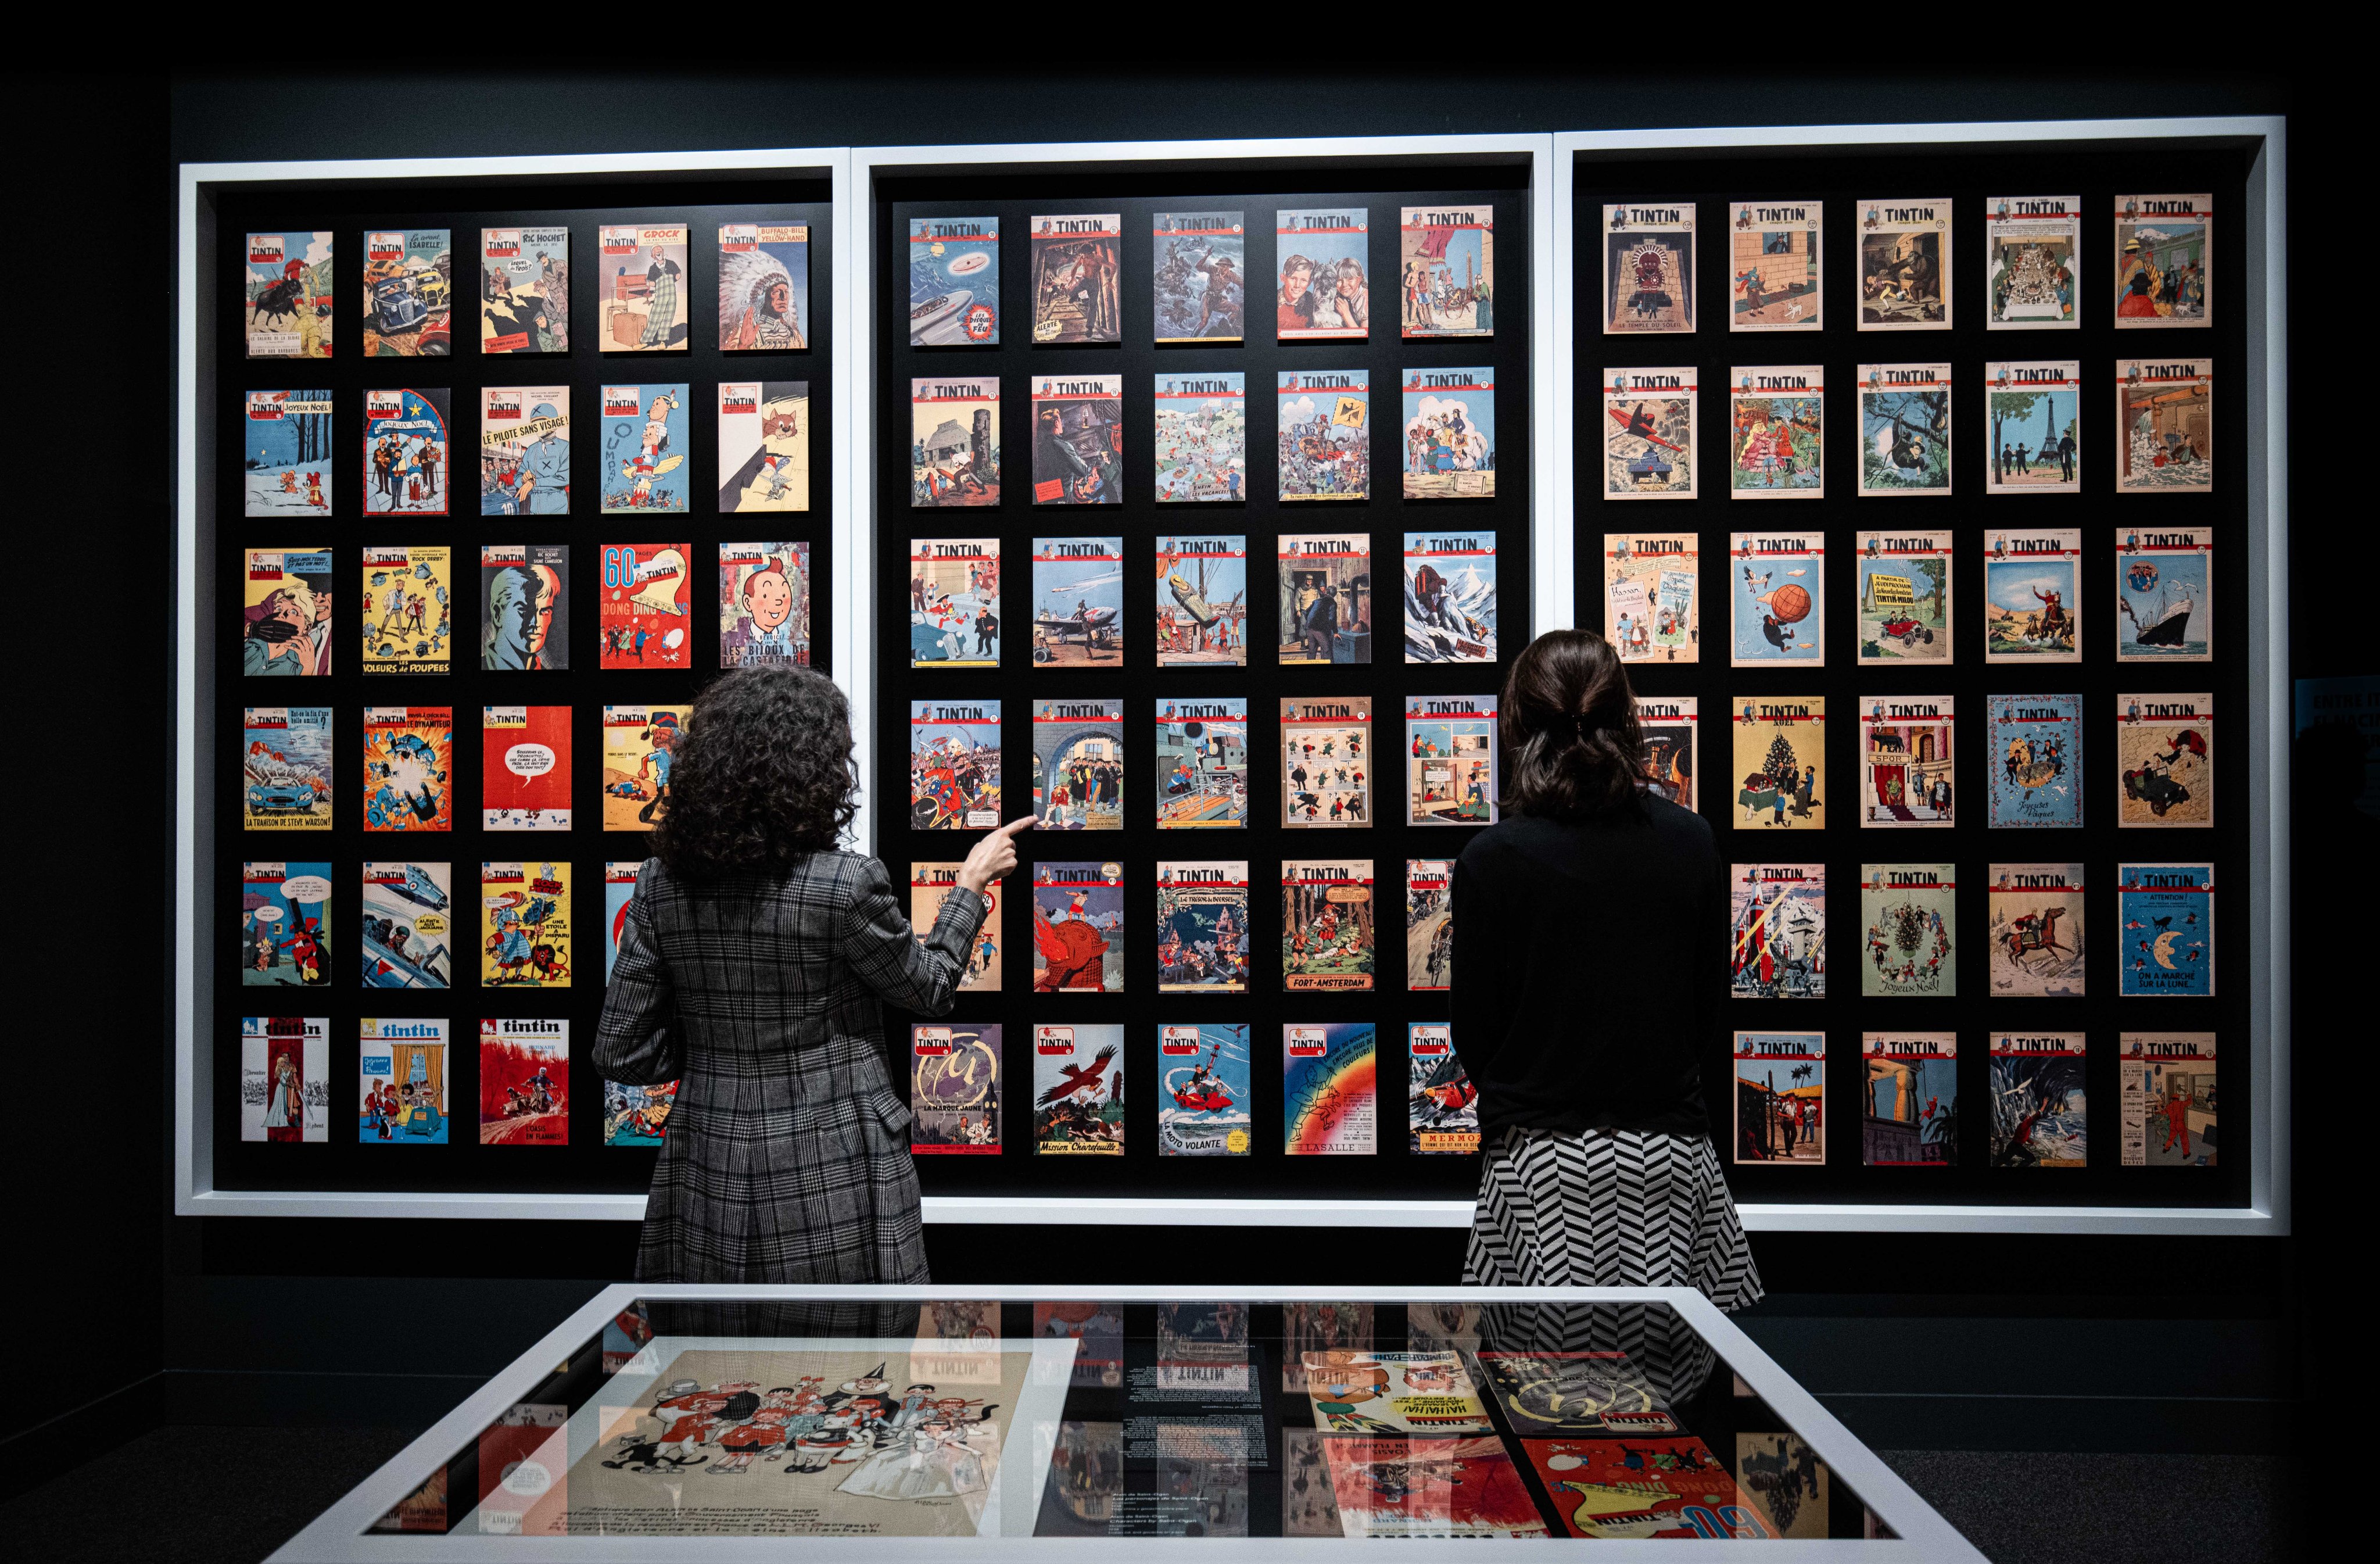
(856,1422)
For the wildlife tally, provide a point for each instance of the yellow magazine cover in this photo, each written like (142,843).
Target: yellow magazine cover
(408,609)
(525,925)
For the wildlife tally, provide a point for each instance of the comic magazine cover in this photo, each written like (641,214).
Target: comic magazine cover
(286,620)
(1442,1105)
(1308,1508)
(1449,591)
(1359,1390)
(1776,608)
(1780,751)
(1078,928)
(287,282)
(1079,440)
(1429,924)
(930,885)
(1614,1489)
(1325,761)
(1913,1099)
(2164,426)
(1078,603)
(525,450)
(408,768)
(1202,601)
(637,1116)
(1078,278)
(2033,595)
(524,1082)
(1911,914)
(764,603)
(524,922)
(2038,934)
(1775,442)
(954,765)
(407,457)
(1774,265)
(1201,259)
(1330,1095)
(2038,1107)
(1574,1395)
(1653,611)
(525,607)
(1904,597)
(1325,275)
(2035,757)
(1078,1090)
(1780,1098)
(953,602)
(639,745)
(1777,936)
(408,926)
(2164,252)
(2165,757)
(285,768)
(1447,271)
(1904,265)
(2165,915)
(1327,940)
(764,445)
(954,442)
(408,609)
(1078,765)
(1669,724)
(1449,434)
(2031,271)
(1648,270)
(1202,1107)
(1904,430)
(953,282)
(764,287)
(2167,1085)
(2033,420)
(955,1090)
(645,445)
(619,890)
(284,1087)
(642,619)
(1098,1331)
(525,290)
(1783,1481)
(1649,433)
(1202,764)
(1202,437)
(1451,760)
(642,288)
(1326,598)
(1429,1487)
(1906,769)
(402,1071)
(1324,422)
(288,464)
(525,768)
(1202,927)
(2165,596)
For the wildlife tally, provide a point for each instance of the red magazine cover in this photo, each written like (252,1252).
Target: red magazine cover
(1642,1488)
(641,616)
(525,768)
(1427,1486)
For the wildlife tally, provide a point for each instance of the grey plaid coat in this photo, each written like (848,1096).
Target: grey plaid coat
(787,1155)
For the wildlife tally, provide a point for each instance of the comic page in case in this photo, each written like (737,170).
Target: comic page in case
(525,290)
(287,454)
(930,885)
(1450,592)
(2034,760)
(953,602)
(525,922)
(2039,937)
(1649,433)
(1312,1329)
(2032,275)
(1325,275)
(1777,607)
(525,450)
(1904,424)
(641,287)
(1446,260)
(1648,269)
(1429,924)
(1330,1089)
(1904,265)
(2039,1109)
(284,1087)
(619,890)
(286,621)
(1328,938)
(406,456)
(401,1068)
(1308,1508)
(1574,1395)
(641,618)
(1906,751)
(1779,755)
(1776,449)
(955,1090)
(640,745)
(953,282)
(1426,1487)
(524,1082)
(1449,434)
(2033,595)
(1451,760)
(2165,759)
(1078,765)
(954,765)
(1078,1090)
(1359,1390)
(408,609)
(2165,594)
(1653,606)
(1098,1331)
(2165,253)
(1777,931)
(1622,1488)
(2167,1081)
(285,768)
(1904,597)
(286,284)
(1202,437)
(1670,723)
(954,442)
(1443,1106)
(525,768)
(1078,928)
(1202,927)
(1077,276)
(2164,426)
(1913,1099)
(1202,764)
(764,445)
(409,924)
(764,603)
(764,287)
(2165,915)
(284,926)
(525,607)
(1326,598)
(1911,917)
(1326,761)
(1078,439)
(1202,601)
(646,440)
(2033,425)
(1781,1099)
(1078,603)
(1774,265)
(1202,277)
(408,768)
(1324,418)
(1202,1105)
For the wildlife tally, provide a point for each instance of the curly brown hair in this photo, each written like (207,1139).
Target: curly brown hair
(762,776)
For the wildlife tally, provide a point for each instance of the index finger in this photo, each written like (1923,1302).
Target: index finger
(1019,824)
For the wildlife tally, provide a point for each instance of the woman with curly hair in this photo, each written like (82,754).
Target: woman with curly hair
(754,957)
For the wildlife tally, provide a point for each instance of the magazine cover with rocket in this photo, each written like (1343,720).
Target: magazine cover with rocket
(764,445)
(1202,764)
(1777,931)
(1327,940)
(1078,1105)
(285,768)
(1201,259)
(1330,1089)
(1652,606)
(1325,289)
(1202,1107)
(1451,760)
(524,607)
(285,282)
(1649,433)
(525,768)
(955,1090)
(764,603)
(284,1089)
(1449,434)
(764,287)
(1778,607)
(930,885)
(1441,1105)
(406,457)
(1202,927)
(954,765)
(1078,928)
(524,1082)
(1781,1099)
(1911,1118)
(401,1068)
(409,924)
(953,282)
(525,450)
(1326,758)
(525,290)
(641,616)
(286,936)
(1446,259)
(286,453)
(525,925)
(408,768)
(408,607)
(1449,591)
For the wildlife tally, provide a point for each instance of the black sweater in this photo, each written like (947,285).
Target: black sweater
(1589,964)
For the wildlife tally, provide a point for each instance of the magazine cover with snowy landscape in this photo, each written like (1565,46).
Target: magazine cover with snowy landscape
(286,449)
(1450,592)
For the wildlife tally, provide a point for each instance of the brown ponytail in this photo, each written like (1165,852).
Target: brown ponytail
(1569,721)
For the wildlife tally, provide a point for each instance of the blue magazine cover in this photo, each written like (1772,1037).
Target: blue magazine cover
(645,447)
(2033,754)
(285,448)
(1202,1106)
(2166,916)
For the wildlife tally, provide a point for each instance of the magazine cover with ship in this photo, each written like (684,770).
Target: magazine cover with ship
(1429,924)
(1201,438)
(1427,1486)
(2039,1108)
(954,765)
(1078,928)
(1330,1089)
(1078,765)
(525,450)
(1326,598)
(1201,260)
(1327,940)
(1779,755)
(2166,1081)
(1441,1105)
(954,442)
(285,768)
(525,924)
(524,1082)
(647,434)
(408,609)
(1078,278)
(2031,273)
(642,288)
(1906,768)
(1574,1395)
(1617,1489)
(285,936)
(288,459)
(1781,1099)
(1649,433)
(1202,601)
(285,1085)
(1776,921)
(2164,426)
(1449,434)
(525,607)
(285,287)
(1202,764)
(401,1071)
(1909,914)
(2039,935)
(1325,748)
(2165,596)
(953,602)
(1450,597)
(1325,275)
(525,290)
(1324,420)
(953,282)
(1446,260)
(2033,595)
(2033,419)
(1777,607)
(1451,760)
(1203,1091)
(408,768)
(639,743)
(1078,1104)
(2034,760)
(1669,724)
(1077,602)
(1202,927)
(1652,608)
(955,1090)
(1777,436)
(285,622)
(2165,760)
(408,929)
(642,619)
(406,456)
(1913,1099)
(764,287)
(1904,264)
(1359,1390)
(1648,270)
(525,768)
(2165,255)
(764,445)
(1904,597)
(1079,440)
(1774,264)
(2165,915)
(1904,413)
(930,885)
(764,603)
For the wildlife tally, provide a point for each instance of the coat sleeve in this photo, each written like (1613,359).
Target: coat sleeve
(637,1040)
(878,943)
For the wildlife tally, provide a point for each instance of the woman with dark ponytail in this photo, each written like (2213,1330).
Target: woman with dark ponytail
(1590,959)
